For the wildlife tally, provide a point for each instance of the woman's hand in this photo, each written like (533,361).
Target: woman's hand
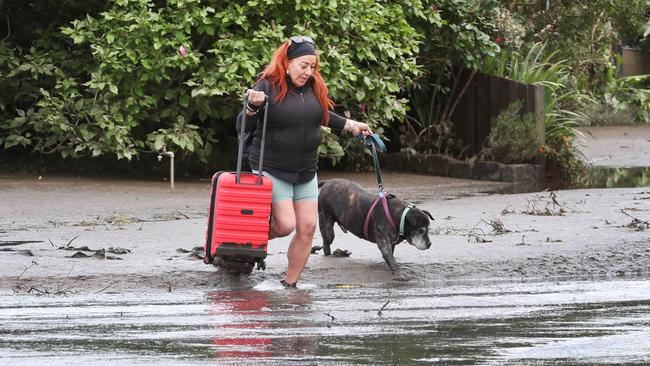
(356,128)
(255,97)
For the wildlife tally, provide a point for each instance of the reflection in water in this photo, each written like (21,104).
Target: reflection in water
(533,323)
(239,339)
(245,325)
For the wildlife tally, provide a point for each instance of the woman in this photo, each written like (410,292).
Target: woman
(298,105)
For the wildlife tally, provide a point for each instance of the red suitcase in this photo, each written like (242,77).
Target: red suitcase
(238,220)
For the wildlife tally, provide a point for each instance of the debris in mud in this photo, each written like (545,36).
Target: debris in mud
(642,198)
(332,318)
(477,234)
(34,290)
(101,254)
(121,220)
(79,255)
(194,253)
(552,206)
(497,227)
(522,241)
(341,253)
(315,249)
(34,263)
(82,248)
(635,209)
(383,307)
(182,214)
(9,243)
(97,254)
(507,211)
(26,252)
(118,250)
(478,239)
(636,224)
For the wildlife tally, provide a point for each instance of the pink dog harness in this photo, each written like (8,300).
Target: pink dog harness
(381,197)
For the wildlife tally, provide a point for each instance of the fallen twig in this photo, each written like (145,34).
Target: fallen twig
(71,240)
(330,315)
(553,207)
(497,227)
(383,307)
(107,286)
(182,214)
(27,268)
(522,241)
(636,224)
(475,233)
(60,285)
(36,290)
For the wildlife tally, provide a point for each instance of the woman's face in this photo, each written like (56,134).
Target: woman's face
(301,68)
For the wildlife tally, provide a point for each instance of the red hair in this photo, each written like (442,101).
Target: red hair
(276,72)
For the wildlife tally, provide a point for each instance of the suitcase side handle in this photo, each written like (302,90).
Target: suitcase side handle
(242,138)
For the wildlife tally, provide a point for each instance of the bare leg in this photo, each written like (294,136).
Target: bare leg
(284,219)
(306,212)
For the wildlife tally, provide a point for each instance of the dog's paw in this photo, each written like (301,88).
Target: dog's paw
(401,276)
(341,253)
(315,249)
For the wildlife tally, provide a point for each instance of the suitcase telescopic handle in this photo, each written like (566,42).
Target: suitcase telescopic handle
(242,139)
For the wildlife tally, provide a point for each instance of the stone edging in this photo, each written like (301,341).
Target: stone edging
(530,177)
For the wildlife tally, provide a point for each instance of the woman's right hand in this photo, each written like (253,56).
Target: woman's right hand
(255,97)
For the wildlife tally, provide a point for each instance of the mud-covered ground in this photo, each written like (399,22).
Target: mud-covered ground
(71,235)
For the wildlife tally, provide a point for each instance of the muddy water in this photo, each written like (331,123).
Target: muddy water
(473,323)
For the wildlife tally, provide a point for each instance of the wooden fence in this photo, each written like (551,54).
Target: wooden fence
(486,96)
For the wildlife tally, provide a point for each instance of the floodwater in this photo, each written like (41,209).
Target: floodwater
(579,322)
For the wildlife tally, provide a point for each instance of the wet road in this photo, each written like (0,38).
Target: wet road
(580,322)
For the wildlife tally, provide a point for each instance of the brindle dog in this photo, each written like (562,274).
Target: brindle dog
(347,204)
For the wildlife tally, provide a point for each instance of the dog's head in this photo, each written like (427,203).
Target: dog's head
(416,228)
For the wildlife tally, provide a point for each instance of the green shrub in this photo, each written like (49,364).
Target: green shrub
(462,35)
(132,92)
(512,138)
(564,103)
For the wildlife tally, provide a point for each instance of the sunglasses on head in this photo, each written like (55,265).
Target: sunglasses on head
(300,39)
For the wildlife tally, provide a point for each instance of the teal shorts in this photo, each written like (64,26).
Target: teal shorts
(285,191)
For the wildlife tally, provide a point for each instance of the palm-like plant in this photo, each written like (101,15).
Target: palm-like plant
(563,104)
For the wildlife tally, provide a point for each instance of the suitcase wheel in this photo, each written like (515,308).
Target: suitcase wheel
(261,265)
(233,267)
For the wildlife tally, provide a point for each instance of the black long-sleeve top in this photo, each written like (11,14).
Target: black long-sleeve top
(293,132)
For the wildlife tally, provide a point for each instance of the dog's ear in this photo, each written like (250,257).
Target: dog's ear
(429,214)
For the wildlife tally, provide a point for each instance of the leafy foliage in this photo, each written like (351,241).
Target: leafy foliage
(565,168)
(132,92)
(564,103)
(462,34)
(512,138)
(629,97)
